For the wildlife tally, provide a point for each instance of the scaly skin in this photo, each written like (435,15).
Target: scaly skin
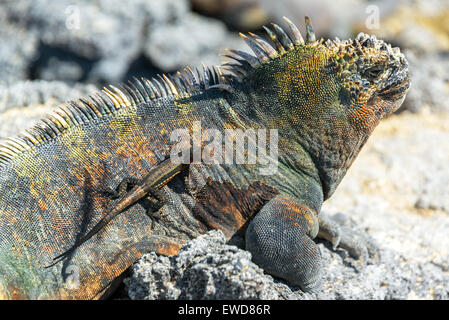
(158,177)
(324,100)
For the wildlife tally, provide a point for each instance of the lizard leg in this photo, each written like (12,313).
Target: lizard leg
(156,200)
(280,240)
(126,184)
(358,244)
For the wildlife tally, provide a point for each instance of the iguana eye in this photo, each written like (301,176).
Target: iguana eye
(373,72)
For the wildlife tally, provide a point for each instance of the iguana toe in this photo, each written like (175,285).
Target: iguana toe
(359,245)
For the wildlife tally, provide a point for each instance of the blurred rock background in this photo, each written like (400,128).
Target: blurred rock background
(397,190)
(106,42)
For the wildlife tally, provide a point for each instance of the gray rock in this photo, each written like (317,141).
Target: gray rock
(99,40)
(206,268)
(177,37)
(17,51)
(430,78)
(25,102)
(56,69)
(189,41)
(95,30)
(53,93)
(329,18)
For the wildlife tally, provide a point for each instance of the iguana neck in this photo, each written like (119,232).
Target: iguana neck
(315,132)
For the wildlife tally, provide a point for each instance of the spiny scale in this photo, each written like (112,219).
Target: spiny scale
(310,34)
(282,42)
(184,84)
(297,37)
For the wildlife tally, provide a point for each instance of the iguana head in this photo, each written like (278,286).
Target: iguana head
(366,75)
(329,95)
(374,77)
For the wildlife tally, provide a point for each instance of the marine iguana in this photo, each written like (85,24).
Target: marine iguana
(323,98)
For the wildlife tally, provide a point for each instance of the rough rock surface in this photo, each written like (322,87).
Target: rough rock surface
(206,268)
(189,40)
(17,51)
(25,102)
(100,41)
(430,87)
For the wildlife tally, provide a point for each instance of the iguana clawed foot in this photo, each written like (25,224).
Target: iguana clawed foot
(156,200)
(280,241)
(342,233)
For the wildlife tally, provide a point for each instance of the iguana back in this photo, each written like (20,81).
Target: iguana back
(54,189)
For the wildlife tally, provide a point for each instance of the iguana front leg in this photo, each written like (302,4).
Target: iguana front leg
(280,240)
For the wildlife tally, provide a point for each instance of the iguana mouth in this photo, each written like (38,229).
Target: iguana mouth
(390,98)
(396,90)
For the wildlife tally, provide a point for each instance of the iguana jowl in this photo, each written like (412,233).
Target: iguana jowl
(324,98)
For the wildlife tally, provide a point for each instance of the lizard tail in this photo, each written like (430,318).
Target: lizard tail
(100,225)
